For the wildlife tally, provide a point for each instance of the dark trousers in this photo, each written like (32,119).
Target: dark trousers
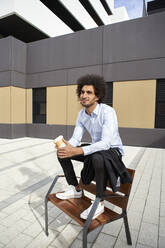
(97,163)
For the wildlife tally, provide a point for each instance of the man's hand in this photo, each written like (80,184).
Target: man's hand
(68,150)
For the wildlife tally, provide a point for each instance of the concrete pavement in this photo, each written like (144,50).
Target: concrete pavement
(27,168)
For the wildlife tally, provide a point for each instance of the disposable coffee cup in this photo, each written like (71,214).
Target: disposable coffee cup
(59,142)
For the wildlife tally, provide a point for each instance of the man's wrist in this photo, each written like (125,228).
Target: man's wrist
(78,151)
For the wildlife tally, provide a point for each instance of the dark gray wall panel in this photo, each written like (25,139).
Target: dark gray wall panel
(19,52)
(18,130)
(52,78)
(5,78)
(12,78)
(12,62)
(52,131)
(130,136)
(46,131)
(18,79)
(73,50)
(12,131)
(74,74)
(136,39)
(135,70)
(85,138)
(143,137)
(5,54)
(5,131)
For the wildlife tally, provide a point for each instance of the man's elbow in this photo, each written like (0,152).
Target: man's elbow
(106,145)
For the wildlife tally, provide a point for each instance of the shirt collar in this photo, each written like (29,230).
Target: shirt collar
(95,111)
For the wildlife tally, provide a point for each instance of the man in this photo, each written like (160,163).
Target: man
(101,123)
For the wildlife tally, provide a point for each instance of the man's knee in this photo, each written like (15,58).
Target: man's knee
(64,161)
(97,161)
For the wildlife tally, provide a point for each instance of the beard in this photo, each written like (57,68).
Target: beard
(87,105)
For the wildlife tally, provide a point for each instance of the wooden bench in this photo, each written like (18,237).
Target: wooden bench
(73,207)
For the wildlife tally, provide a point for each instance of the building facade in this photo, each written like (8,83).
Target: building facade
(38,80)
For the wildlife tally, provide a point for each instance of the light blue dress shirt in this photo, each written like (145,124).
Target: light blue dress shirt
(101,125)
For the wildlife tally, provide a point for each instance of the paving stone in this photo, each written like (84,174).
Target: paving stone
(54,211)
(163,183)
(11,232)
(20,204)
(60,222)
(78,244)
(42,241)
(153,201)
(122,236)
(35,203)
(134,219)
(138,204)
(104,241)
(19,241)
(113,228)
(142,192)
(162,209)
(122,244)
(3,215)
(92,235)
(39,210)
(162,227)
(163,196)
(161,242)
(2,228)
(148,234)
(67,236)
(33,229)
(2,245)
(151,215)
(141,246)
(30,217)
(3,205)
(13,218)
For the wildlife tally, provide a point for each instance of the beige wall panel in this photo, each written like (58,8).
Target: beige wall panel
(57,105)
(134,102)
(18,105)
(28,105)
(73,105)
(5,105)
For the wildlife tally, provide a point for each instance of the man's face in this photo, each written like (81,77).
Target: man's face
(87,96)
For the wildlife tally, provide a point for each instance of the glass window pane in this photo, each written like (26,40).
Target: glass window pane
(39,105)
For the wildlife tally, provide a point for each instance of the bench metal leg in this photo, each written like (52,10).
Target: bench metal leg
(127,231)
(46,204)
(85,238)
(46,217)
(88,221)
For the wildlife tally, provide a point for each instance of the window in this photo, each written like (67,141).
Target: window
(39,105)
(109,94)
(160,104)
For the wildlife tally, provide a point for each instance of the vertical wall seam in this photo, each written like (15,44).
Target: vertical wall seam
(155,101)
(102,50)
(11,79)
(67,104)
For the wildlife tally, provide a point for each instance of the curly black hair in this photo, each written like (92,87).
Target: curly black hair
(96,81)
